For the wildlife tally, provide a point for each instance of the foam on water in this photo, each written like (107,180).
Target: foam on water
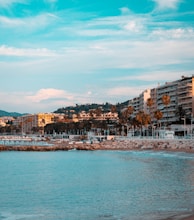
(11,216)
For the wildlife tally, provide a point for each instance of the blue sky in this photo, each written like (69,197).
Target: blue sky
(56,53)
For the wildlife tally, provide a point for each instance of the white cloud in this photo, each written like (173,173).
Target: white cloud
(49,93)
(8,22)
(28,23)
(176,33)
(125,11)
(7,3)
(131,26)
(167,4)
(45,100)
(26,52)
(155,76)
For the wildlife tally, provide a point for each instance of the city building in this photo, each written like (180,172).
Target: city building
(102,116)
(34,122)
(168,110)
(181,93)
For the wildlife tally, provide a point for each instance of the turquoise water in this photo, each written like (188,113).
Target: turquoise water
(97,185)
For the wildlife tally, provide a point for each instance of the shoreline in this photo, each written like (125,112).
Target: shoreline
(171,145)
(183,216)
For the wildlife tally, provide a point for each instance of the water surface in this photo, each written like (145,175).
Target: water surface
(95,185)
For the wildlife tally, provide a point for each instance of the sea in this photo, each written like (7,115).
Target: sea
(96,185)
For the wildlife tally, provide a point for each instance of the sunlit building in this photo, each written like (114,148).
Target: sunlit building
(34,122)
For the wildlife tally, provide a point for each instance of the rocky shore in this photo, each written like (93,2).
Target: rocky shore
(128,144)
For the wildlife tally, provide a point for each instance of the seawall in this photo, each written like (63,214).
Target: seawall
(128,144)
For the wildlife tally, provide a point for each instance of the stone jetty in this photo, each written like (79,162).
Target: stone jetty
(186,145)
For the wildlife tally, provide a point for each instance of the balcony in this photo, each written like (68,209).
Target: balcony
(185,85)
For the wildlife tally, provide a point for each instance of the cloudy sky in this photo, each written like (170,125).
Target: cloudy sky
(56,53)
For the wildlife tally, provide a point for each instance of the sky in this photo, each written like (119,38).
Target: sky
(58,53)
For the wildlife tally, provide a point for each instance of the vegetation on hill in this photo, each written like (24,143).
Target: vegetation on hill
(87,107)
(11,114)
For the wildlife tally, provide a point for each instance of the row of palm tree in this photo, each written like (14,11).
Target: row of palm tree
(140,120)
(143,119)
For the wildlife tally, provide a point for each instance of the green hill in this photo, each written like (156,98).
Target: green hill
(11,114)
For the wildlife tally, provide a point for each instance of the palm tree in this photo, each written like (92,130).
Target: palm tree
(166,102)
(158,115)
(143,119)
(149,103)
(125,116)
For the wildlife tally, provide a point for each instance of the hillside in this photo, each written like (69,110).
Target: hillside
(87,107)
(11,114)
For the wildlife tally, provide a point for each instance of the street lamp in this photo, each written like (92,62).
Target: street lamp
(184,119)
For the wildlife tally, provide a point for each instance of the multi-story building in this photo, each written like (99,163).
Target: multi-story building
(181,93)
(153,108)
(135,104)
(169,111)
(139,103)
(185,93)
(102,116)
(33,121)
(143,97)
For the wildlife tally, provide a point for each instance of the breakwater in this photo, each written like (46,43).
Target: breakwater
(128,144)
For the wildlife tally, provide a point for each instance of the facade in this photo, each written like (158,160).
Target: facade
(34,121)
(153,108)
(143,97)
(185,93)
(139,103)
(169,111)
(5,119)
(181,93)
(103,116)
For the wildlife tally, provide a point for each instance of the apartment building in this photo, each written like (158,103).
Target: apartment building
(169,111)
(143,97)
(153,108)
(103,116)
(139,103)
(185,93)
(181,93)
(31,121)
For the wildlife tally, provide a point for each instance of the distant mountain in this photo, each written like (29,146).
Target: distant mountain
(11,114)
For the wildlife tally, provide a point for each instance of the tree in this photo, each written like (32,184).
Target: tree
(149,103)
(113,109)
(98,112)
(127,112)
(158,115)
(143,119)
(166,102)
